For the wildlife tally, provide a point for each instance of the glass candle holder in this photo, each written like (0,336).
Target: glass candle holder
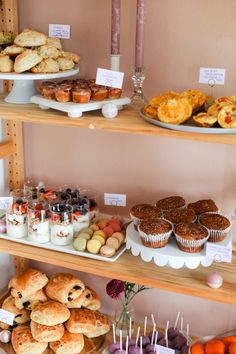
(81,215)
(38,222)
(92,197)
(16,215)
(138,99)
(61,227)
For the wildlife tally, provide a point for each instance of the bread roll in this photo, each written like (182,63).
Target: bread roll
(27,60)
(24,343)
(94,303)
(70,343)
(50,313)
(48,65)
(83,300)
(46,334)
(6,64)
(30,38)
(64,287)
(32,300)
(65,63)
(102,326)
(21,316)
(81,321)
(27,283)
(13,50)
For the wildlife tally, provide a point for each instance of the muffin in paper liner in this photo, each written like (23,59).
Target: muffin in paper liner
(191,246)
(143,211)
(156,240)
(216,235)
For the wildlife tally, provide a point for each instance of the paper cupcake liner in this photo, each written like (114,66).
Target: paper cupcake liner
(191,244)
(155,241)
(218,235)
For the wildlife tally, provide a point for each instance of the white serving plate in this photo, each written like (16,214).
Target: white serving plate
(170,254)
(23,87)
(187,127)
(65,249)
(75,110)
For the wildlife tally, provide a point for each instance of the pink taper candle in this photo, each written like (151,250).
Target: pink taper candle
(115,27)
(139,48)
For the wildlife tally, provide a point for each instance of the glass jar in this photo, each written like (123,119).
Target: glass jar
(38,222)
(92,197)
(16,215)
(30,189)
(48,194)
(61,224)
(81,216)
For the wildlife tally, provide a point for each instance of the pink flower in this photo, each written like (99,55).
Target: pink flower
(115,288)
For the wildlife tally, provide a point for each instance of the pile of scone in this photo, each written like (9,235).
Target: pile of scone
(36,52)
(176,108)
(57,312)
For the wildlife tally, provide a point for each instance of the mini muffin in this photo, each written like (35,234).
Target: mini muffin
(218,226)
(191,237)
(114,93)
(81,95)
(143,211)
(180,215)
(63,93)
(173,202)
(154,233)
(204,206)
(99,93)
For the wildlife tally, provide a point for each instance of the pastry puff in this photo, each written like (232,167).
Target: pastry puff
(102,325)
(81,321)
(24,343)
(64,287)
(88,299)
(21,316)
(31,301)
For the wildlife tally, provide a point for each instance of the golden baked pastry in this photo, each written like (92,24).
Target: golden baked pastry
(94,301)
(24,343)
(65,63)
(82,300)
(227,117)
(164,97)
(46,334)
(49,51)
(6,64)
(64,287)
(27,283)
(81,321)
(216,107)
(196,98)
(55,42)
(70,55)
(204,120)
(150,111)
(21,316)
(50,313)
(27,60)
(102,325)
(48,65)
(72,343)
(30,38)
(174,111)
(7,37)
(31,300)
(13,50)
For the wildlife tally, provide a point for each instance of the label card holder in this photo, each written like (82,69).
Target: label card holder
(212,76)
(218,252)
(109,78)
(5,202)
(7,317)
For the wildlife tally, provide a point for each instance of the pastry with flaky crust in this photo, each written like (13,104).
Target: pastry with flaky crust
(50,313)
(30,38)
(102,325)
(174,111)
(71,343)
(81,321)
(6,64)
(24,343)
(43,333)
(195,97)
(31,300)
(164,97)
(227,117)
(150,111)
(48,65)
(204,120)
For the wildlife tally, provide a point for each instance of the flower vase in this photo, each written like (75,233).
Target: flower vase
(123,316)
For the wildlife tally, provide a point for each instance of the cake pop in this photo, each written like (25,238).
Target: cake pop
(173,331)
(145,338)
(115,345)
(120,351)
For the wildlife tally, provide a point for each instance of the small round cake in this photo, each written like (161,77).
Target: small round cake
(204,206)
(180,215)
(218,226)
(191,237)
(154,233)
(173,202)
(143,211)
(81,95)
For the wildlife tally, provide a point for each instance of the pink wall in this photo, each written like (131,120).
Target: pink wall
(180,36)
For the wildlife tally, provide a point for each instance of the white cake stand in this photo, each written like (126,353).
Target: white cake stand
(23,88)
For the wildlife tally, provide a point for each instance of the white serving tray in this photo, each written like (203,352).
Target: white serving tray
(65,249)
(75,110)
(170,254)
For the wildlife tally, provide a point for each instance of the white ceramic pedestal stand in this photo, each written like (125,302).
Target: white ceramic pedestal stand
(23,88)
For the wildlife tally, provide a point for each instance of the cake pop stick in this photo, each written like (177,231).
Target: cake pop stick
(177,320)
(130,327)
(187,333)
(181,324)
(153,333)
(137,336)
(145,326)
(153,319)
(114,332)
(121,345)
(141,345)
(155,342)
(127,345)
(166,336)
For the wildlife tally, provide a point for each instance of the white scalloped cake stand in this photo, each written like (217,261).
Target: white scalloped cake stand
(23,88)
(170,254)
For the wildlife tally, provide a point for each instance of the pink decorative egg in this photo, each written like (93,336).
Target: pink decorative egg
(3,228)
(215,280)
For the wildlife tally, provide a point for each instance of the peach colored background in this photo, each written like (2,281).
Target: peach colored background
(180,37)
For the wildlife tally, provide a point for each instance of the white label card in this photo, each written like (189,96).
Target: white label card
(7,317)
(212,76)
(218,252)
(5,202)
(163,350)
(109,78)
(59,31)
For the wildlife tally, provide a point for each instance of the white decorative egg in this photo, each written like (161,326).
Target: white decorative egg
(109,110)
(215,280)
(5,336)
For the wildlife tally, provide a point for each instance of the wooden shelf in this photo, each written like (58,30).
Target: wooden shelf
(133,269)
(127,121)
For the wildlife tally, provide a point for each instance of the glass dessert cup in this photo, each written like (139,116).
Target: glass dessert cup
(92,197)
(81,215)
(61,224)
(16,215)
(38,222)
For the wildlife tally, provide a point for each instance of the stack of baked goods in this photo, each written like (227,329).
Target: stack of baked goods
(60,318)
(36,52)
(177,108)
(191,225)
(77,91)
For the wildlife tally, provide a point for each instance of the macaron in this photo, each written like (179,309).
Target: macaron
(113,242)
(100,232)
(87,230)
(107,251)
(120,236)
(94,227)
(115,226)
(102,223)
(84,235)
(99,238)
(108,231)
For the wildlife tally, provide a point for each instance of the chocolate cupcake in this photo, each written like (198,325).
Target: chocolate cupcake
(180,215)
(204,206)
(155,233)
(173,202)
(144,211)
(218,226)
(191,237)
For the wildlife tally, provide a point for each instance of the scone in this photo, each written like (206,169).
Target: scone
(174,111)
(49,51)
(227,117)
(204,120)
(65,63)
(55,42)
(24,343)
(27,60)
(48,65)
(30,38)
(72,56)
(6,64)
(13,50)
(7,37)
